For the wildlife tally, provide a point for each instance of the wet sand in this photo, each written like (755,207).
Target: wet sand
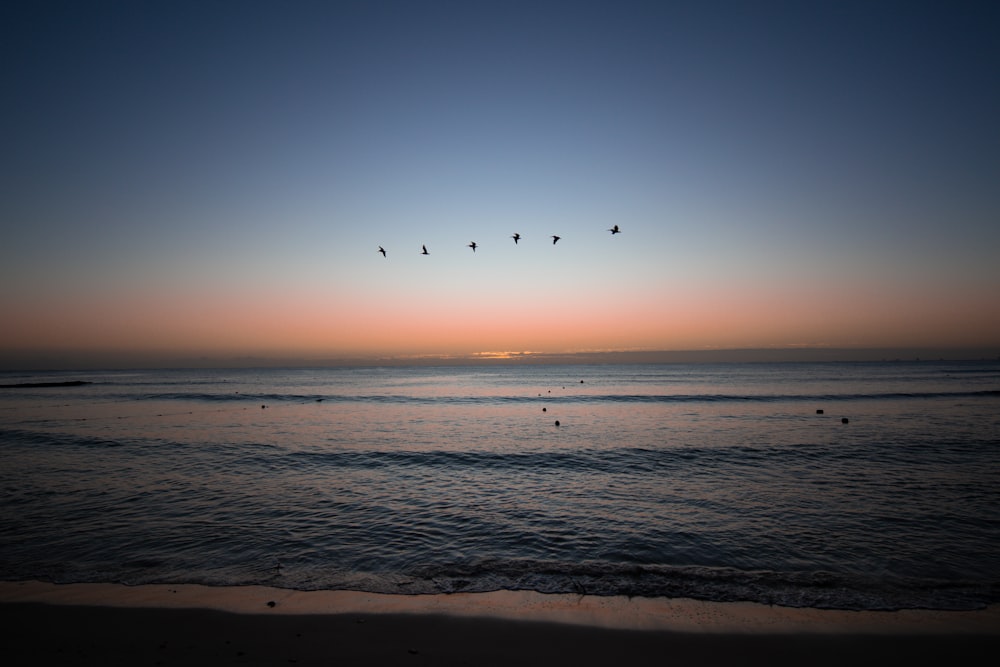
(111,624)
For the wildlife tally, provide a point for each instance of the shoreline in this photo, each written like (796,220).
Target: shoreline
(163,624)
(612,612)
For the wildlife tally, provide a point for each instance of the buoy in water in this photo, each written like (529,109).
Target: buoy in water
(557,422)
(843,420)
(819,412)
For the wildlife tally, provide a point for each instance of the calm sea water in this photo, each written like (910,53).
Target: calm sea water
(716,482)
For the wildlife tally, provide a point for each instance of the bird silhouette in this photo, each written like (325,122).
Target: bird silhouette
(424,252)
(555,238)
(382,250)
(516,237)
(473,246)
(614,230)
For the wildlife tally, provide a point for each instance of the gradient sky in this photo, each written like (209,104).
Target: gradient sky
(215,178)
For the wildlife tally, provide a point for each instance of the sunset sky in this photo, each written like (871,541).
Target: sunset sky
(213,179)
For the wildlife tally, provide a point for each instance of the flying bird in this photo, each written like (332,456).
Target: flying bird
(473,246)
(382,250)
(555,238)
(614,230)
(516,237)
(424,252)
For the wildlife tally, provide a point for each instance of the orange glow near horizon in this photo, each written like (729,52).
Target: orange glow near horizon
(314,325)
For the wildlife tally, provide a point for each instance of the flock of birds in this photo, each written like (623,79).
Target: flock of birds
(517,237)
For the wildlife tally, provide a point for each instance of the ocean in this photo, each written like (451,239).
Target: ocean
(828,485)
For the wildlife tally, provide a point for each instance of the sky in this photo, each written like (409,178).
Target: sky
(213,180)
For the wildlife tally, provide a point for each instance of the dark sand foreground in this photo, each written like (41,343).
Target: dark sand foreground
(194,625)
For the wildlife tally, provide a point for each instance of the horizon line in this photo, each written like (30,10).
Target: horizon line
(39,361)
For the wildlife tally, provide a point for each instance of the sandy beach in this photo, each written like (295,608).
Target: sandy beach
(188,624)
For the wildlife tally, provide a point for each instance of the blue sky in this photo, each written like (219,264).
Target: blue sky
(215,178)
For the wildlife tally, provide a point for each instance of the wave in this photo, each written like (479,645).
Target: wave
(805,589)
(773,398)
(628,462)
(37,385)
(603,460)
(45,438)
(570,398)
(720,584)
